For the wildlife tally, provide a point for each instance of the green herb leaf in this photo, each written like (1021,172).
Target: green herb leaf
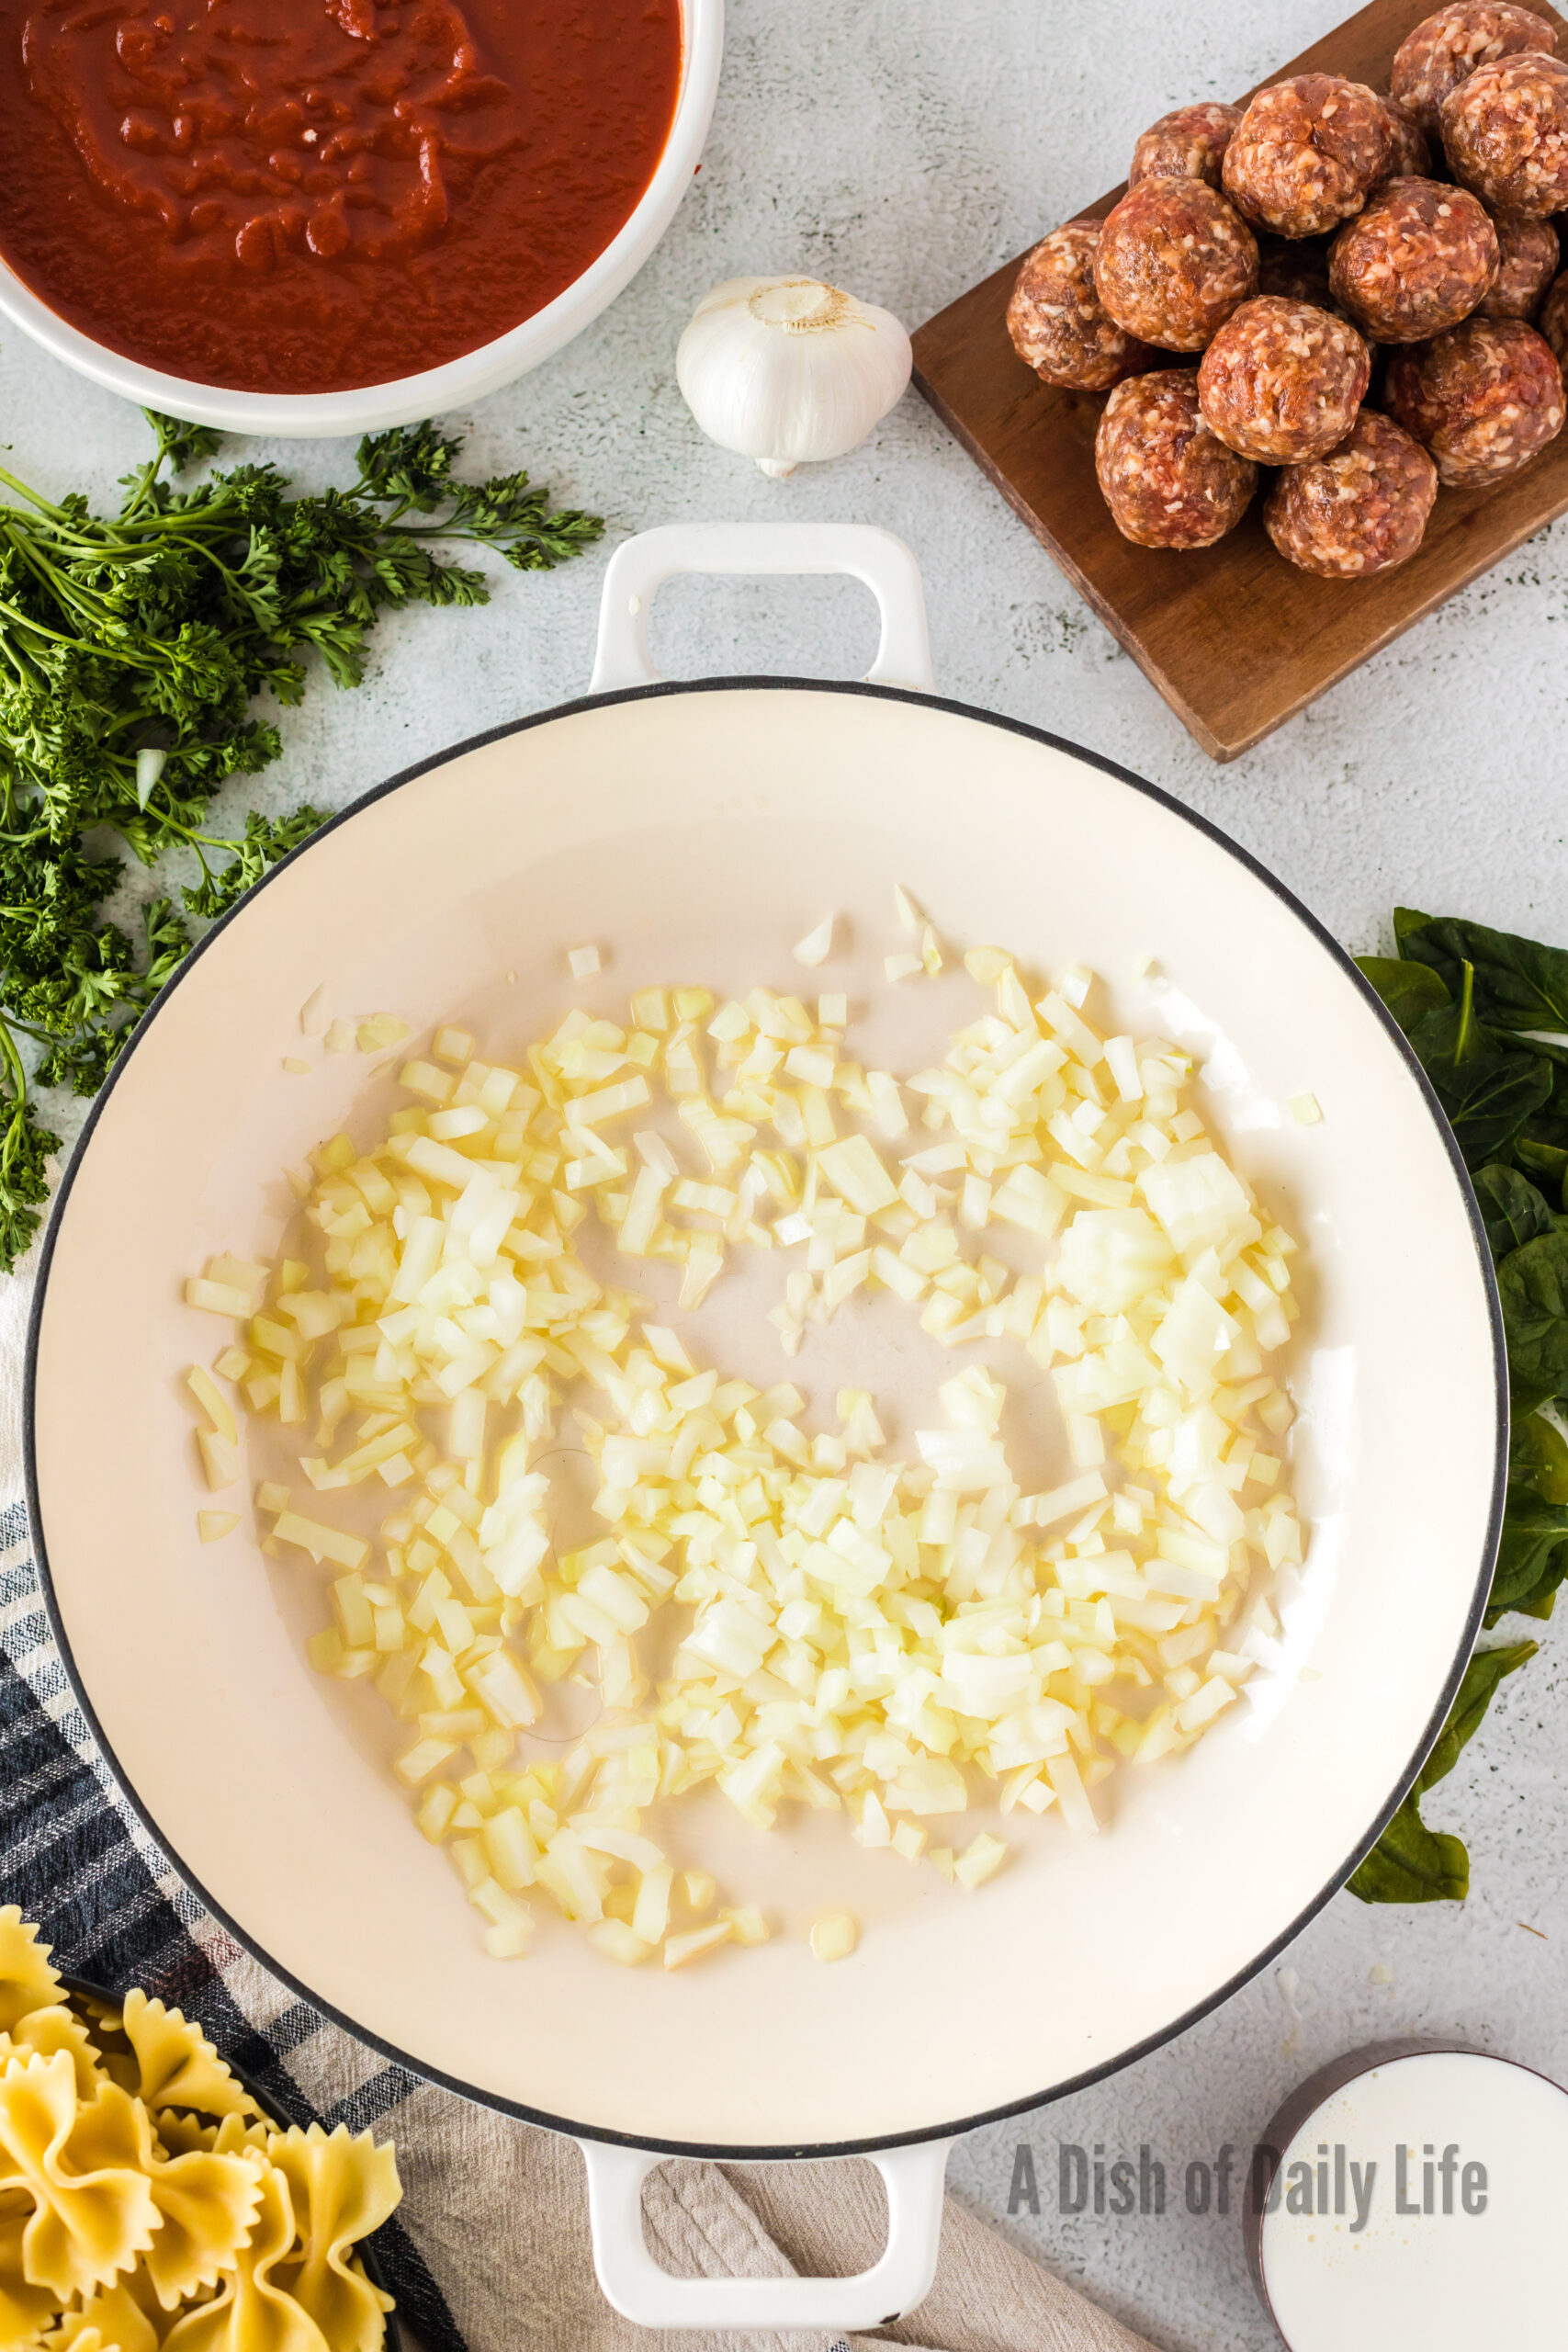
(1519,984)
(25,1146)
(1483,1676)
(266,840)
(1511,1209)
(131,650)
(1532,1558)
(1538,1459)
(1410,1862)
(1487,1085)
(1532,1282)
(1547,1163)
(1409,990)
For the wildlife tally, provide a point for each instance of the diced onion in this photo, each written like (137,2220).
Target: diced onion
(834,1936)
(840,1628)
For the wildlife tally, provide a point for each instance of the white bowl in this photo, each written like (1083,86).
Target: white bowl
(371,407)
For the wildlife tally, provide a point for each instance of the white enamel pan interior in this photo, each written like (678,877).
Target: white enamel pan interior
(695,832)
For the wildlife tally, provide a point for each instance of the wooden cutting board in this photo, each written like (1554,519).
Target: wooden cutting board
(1236,640)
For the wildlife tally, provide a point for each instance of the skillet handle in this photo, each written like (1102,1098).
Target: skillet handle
(642,2291)
(883,562)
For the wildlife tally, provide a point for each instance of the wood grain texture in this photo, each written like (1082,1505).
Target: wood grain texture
(1236,640)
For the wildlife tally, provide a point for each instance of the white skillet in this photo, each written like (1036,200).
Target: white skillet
(697,831)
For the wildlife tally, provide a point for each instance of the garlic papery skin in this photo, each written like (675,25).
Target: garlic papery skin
(790,371)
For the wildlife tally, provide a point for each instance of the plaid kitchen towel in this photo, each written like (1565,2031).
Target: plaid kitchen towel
(489,2250)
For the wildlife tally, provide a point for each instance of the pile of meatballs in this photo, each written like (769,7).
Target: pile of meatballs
(1297,246)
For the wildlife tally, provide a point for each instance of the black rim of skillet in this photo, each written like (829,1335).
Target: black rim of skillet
(364,2252)
(949,2129)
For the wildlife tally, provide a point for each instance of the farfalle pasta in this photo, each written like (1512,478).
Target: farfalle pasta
(27,1980)
(50,2031)
(113,2316)
(147,2200)
(93,2211)
(252,2313)
(341,2192)
(178,2067)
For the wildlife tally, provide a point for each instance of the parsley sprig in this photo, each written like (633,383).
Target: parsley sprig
(131,652)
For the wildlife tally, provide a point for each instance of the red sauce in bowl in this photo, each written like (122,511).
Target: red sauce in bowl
(302,195)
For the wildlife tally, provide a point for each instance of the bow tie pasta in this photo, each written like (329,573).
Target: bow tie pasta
(177,2066)
(340,2196)
(145,2196)
(251,2313)
(113,2318)
(47,2032)
(92,2212)
(27,1980)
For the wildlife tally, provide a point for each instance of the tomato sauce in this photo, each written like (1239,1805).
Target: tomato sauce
(300,196)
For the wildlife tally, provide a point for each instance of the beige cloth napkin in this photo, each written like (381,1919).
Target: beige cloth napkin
(526,2193)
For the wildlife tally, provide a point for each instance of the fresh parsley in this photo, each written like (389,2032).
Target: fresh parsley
(132,652)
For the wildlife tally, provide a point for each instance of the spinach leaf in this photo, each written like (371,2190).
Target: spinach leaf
(1549,1126)
(1408,989)
(1488,1086)
(1532,1559)
(1411,1863)
(1485,1671)
(1533,1284)
(1547,1163)
(1512,1211)
(1538,1459)
(1519,984)
(1407,921)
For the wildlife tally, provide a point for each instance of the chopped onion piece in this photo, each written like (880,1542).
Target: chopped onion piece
(834,1936)
(696,1944)
(979,1861)
(816,945)
(213,1403)
(835,1627)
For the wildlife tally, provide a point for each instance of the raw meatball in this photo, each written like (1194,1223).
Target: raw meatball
(1417,260)
(1484,397)
(1296,268)
(1506,134)
(1173,262)
(1307,154)
(1409,154)
(1282,380)
(1167,482)
(1187,145)
(1057,322)
(1358,509)
(1529,259)
(1445,50)
(1552,322)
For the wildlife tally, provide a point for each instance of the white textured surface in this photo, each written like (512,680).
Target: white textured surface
(904,148)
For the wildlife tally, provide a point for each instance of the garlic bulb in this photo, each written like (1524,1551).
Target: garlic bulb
(787,369)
